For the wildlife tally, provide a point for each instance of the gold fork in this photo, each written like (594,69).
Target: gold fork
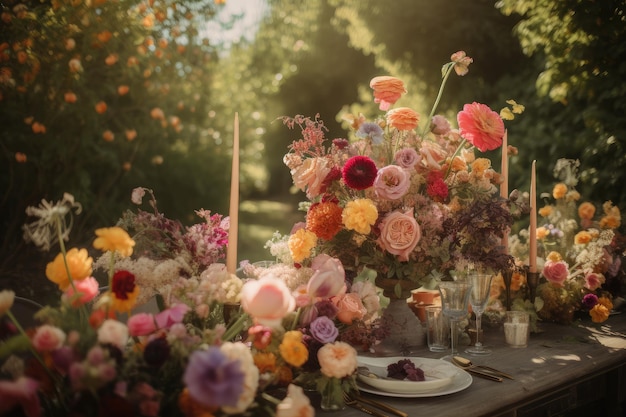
(356,405)
(377,404)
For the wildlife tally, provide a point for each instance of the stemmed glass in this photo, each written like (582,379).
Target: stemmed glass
(454,303)
(479,295)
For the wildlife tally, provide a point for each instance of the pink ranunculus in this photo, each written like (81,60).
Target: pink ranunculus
(175,314)
(48,338)
(22,392)
(481,126)
(350,307)
(392,182)
(141,324)
(310,175)
(113,332)
(268,300)
(337,360)
(329,278)
(295,404)
(87,289)
(399,234)
(593,281)
(556,272)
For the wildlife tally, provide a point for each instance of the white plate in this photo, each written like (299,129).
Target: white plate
(458,382)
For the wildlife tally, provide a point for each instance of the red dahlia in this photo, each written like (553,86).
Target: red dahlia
(359,172)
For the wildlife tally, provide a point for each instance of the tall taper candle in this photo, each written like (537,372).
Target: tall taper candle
(532,238)
(231,253)
(504,185)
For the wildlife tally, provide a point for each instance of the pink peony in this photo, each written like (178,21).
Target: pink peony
(268,300)
(141,324)
(337,360)
(392,182)
(556,272)
(48,338)
(481,126)
(328,279)
(350,307)
(86,290)
(399,234)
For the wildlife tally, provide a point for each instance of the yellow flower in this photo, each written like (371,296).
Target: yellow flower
(301,243)
(599,313)
(559,191)
(360,215)
(545,211)
(114,239)
(542,232)
(293,351)
(480,165)
(554,256)
(606,302)
(582,237)
(78,262)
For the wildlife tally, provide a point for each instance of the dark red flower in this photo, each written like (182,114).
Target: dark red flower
(436,187)
(359,172)
(332,176)
(123,284)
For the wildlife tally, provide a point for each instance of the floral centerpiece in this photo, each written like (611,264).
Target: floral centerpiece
(215,345)
(580,253)
(410,200)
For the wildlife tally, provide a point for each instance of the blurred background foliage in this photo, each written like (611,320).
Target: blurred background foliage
(100,96)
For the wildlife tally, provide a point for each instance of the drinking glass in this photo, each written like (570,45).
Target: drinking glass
(454,302)
(479,295)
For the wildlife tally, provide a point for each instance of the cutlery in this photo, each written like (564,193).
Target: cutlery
(469,366)
(378,404)
(354,404)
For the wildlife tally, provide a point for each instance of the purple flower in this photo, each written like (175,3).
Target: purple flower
(324,330)
(212,379)
(590,300)
(371,130)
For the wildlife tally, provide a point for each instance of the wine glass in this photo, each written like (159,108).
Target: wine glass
(479,295)
(454,303)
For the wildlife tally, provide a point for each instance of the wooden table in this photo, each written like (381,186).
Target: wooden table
(577,369)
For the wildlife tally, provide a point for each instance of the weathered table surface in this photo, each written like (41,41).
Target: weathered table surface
(564,367)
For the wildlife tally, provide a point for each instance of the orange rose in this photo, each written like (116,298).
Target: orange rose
(403,118)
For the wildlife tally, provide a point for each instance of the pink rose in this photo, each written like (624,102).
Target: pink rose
(86,290)
(268,300)
(175,314)
(337,360)
(350,307)
(328,279)
(392,182)
(593,281)
(556,272)
(141,324)
(407,158)
(113,332)
(48,338)
(399,234)
(310,175)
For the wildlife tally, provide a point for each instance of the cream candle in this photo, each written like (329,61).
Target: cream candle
(504,185)
(231,253)
(532,238)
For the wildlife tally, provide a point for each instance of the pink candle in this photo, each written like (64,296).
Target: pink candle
(504,185)
(532,238)
(231,254)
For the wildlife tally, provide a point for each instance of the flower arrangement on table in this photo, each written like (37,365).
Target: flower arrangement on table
(580,252)
(216,345)
(410,200)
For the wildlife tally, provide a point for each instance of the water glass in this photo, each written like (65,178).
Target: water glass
(517,328)
(438,330)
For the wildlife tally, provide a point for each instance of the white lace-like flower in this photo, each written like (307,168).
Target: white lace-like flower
(53,222)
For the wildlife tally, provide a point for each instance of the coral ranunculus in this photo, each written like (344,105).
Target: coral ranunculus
(387,90)
(481,126)
(403,118)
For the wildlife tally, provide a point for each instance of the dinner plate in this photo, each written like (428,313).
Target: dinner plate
(455,379)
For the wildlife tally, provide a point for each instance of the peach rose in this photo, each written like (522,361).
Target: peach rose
(399,234)
(387,90)
(337,360)
(268,300)
(403,118)
(48,338)
(350,307)
(556,272)
(310,175)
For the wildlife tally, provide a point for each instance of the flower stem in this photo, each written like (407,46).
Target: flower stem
(448,69)
(235,328)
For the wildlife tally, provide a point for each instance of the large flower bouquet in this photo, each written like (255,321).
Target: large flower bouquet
(580,253)
(409,200)
(215,344)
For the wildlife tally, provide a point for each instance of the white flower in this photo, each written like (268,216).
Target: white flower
(241,352)
(45,231)
(113,332)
